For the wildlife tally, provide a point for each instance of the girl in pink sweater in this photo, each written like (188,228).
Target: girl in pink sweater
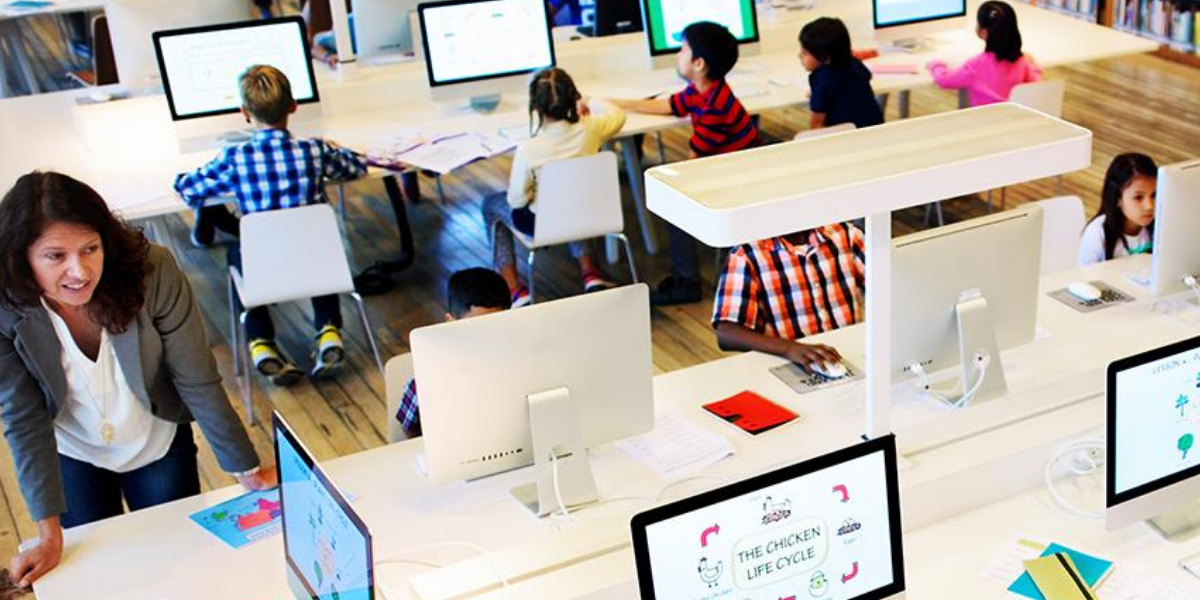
(989,77)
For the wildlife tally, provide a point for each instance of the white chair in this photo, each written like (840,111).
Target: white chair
(809,134)
(1063,221)
(396,373)
(577,199)
(1042,96)
(287,255)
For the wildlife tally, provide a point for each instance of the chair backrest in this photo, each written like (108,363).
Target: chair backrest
(1042,96)
(104,65)
(808,134)
(1063,221)
(578,198)
(396,374)
(293,253)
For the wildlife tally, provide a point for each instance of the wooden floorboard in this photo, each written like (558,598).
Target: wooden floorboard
(1138,103)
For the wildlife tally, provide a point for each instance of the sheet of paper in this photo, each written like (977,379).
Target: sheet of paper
(1008,563)
(676,447)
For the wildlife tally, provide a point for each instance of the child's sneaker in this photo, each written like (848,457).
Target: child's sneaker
(330,353)
(272,364)
(595,281)
(521,297)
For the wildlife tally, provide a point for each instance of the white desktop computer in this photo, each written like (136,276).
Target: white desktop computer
(962,293)
(904,23)
(1175,261)
(200,68)
(131,23)
(825,528)
(479,49)
(537,385)
(382,28)
(665,21)
(1153,418)
(326,545)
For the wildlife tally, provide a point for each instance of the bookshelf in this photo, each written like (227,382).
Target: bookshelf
(1172,23)
(1086,10)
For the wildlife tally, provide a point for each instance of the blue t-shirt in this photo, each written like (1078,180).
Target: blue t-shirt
(844,94)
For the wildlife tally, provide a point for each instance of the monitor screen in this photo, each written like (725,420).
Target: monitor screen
(200,66)
(1153,420)
(825,528)
(325,543)
(666,20)
(890,13)
(470,40)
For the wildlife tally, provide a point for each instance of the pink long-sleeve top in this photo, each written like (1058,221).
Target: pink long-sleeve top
(987,79)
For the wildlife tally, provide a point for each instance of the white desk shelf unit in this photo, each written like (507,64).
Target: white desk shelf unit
(746,196)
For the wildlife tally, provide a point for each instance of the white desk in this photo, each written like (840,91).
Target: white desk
(159,553)
(133,157)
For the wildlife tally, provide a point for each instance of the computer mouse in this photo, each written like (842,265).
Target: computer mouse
(1084,291)
(100,96)
(829,370)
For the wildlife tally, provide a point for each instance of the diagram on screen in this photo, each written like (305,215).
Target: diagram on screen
(492,37)
(678,15)
(325,543)
(243,519)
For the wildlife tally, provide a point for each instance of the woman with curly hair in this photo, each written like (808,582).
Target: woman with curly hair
(103,366)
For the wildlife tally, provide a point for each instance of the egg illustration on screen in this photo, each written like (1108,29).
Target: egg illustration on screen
(818,585)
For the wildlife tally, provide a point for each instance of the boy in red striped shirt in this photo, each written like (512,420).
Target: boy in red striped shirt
(720,124)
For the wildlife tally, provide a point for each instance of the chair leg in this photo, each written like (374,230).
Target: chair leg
(532,275)
(366,325)
(247,388)
(628,253)
(341,192)
(234,335)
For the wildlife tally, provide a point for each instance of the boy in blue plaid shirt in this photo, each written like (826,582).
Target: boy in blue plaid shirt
(275,171)
(469,293)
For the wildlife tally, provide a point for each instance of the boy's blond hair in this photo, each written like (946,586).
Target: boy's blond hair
(266,94)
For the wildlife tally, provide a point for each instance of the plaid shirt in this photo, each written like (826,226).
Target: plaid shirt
(787,290)
(409,413)
(719,122)
(271,171)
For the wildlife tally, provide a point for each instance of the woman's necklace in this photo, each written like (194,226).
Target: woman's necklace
(107,431)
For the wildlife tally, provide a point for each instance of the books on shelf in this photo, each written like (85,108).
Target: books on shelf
(1080,8)
(1171,21)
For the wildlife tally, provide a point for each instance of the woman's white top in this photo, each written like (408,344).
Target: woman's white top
(97,392)
(1091,246)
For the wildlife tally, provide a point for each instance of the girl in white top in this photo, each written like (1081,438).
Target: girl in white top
(1124,224)
(565,125)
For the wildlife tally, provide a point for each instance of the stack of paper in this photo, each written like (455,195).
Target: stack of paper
(439,153)
(676,447)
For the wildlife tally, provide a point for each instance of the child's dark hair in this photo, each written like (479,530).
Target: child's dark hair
(1120,174)
(999,20)
(552,95)
(715,45)
(476,287)
(828,41)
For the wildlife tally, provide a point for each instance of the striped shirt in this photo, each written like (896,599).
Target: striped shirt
(408,411)
(787,290)
(271,171)
(719,122)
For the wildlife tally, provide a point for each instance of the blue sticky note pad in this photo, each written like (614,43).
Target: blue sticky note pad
(1093,570)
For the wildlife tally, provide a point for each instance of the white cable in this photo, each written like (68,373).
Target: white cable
(982,361)
(487,555)
(1082,464)
(562,506)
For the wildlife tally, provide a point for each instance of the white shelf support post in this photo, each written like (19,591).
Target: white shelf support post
(879,322)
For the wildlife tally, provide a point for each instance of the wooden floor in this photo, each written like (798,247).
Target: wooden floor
(1134,104)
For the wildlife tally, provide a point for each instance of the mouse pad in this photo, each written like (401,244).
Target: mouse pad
(802,382)
(1109,296)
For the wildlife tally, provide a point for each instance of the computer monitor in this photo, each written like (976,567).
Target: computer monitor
(383,27)
(904,22)
(201,65)
(613,17)
(825,528)
(962,293)
(665,21)
(131,23)
(498,390)
(479,49)
(1176,253)
(1153,418)
(326,546)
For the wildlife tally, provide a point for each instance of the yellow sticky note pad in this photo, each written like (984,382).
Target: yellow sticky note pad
(1057,578)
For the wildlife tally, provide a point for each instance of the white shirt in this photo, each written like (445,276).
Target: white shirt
(1091,246)
(97,392)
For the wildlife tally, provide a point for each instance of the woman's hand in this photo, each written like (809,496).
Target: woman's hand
(263,479)
(30,565)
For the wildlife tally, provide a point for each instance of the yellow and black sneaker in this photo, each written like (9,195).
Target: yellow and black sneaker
(330,355)
(269,361)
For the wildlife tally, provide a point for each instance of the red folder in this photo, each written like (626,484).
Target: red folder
(750,412)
